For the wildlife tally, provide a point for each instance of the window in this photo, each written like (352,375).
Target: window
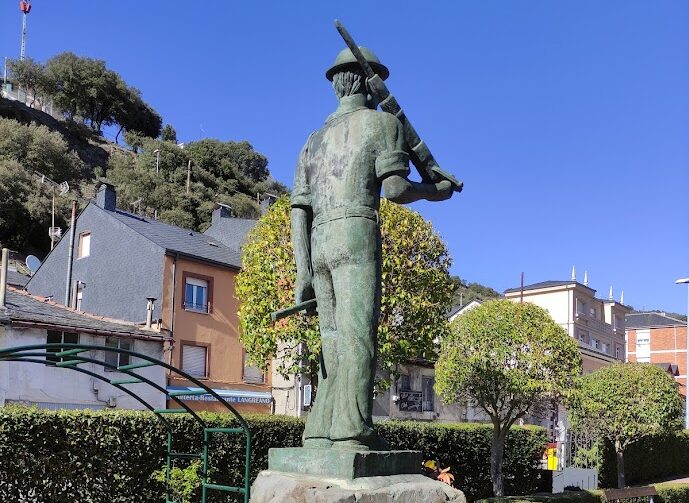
(252,375)
(56,337)
(195,360)
(403,383)
(583,336)
(643,346)
(197,294)
(581,307)
(113,358)
(79,295)
(593,312)
(84,245)
(618,351)
(595,343)
(617,322)
(605,347)
(427,393)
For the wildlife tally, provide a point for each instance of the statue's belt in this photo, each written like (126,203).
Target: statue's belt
(349,212)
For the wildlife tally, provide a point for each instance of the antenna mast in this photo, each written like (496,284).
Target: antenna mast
(25,7)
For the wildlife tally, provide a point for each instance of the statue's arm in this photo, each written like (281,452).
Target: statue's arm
(301,218)
(392,168)
(301,242)
(400,190)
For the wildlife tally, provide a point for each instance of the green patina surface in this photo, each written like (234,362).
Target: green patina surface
(342,170)
(342,463)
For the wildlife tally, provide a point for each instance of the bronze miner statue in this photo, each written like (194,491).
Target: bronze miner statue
(342,170)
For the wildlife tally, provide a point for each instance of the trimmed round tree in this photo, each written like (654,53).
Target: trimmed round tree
(506,358)
(624,402)
(416,294)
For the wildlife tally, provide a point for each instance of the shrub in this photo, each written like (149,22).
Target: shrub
(465,448)
(113,455)
(650,458)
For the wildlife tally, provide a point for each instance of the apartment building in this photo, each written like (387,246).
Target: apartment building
(124,264)
(597,324)
(660,339)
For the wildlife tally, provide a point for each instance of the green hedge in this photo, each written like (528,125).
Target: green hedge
(110,456)
(651,458)
(667,493)
(465,447)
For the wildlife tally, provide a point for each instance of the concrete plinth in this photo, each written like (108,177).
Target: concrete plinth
(343,464)
(278,487)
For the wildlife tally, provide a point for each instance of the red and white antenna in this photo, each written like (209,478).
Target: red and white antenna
(25,7)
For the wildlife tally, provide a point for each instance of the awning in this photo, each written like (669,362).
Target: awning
(230,395)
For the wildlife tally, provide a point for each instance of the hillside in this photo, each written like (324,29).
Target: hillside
(151,178)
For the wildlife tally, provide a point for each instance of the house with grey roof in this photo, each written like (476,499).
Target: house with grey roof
(121,263)
(27,320)
(229,230)
(658,338)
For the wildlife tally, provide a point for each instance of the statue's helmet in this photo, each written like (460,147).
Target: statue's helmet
(346,59)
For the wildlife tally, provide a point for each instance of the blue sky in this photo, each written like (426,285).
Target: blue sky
(567,121)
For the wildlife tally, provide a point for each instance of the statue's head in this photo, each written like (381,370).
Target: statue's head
(347,76)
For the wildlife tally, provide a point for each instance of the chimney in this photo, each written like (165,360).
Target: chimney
(3,276)
(586,278)
(574,273)
(610,296)
(150,306)
(622,298)
(221,211)
(106,197)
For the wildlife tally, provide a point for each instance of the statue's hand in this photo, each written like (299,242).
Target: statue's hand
(441,191)
(303,290)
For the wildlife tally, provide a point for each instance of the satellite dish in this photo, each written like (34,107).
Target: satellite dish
(32,263)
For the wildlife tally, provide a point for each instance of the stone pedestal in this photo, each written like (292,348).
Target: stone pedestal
(278,487)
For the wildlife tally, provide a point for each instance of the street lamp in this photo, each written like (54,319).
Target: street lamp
(157,153)
(682,281)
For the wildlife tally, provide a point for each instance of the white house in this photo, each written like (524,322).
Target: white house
(27,320)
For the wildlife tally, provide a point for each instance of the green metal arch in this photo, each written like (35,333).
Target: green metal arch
(29,353)
(167,424)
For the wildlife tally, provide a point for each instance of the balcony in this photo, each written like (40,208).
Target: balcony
(598,326)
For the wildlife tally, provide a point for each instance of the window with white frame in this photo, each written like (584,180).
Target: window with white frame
(195,360)
(593,313)
(84,249)
(57,337)
(643,345)
(581,307)
(115,358)
(196,294)
(595,343)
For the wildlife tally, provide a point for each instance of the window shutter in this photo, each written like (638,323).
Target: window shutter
(253,375)
(194,360)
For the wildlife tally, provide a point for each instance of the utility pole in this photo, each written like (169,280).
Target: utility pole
(52,222)
(188,176)
(25,7)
